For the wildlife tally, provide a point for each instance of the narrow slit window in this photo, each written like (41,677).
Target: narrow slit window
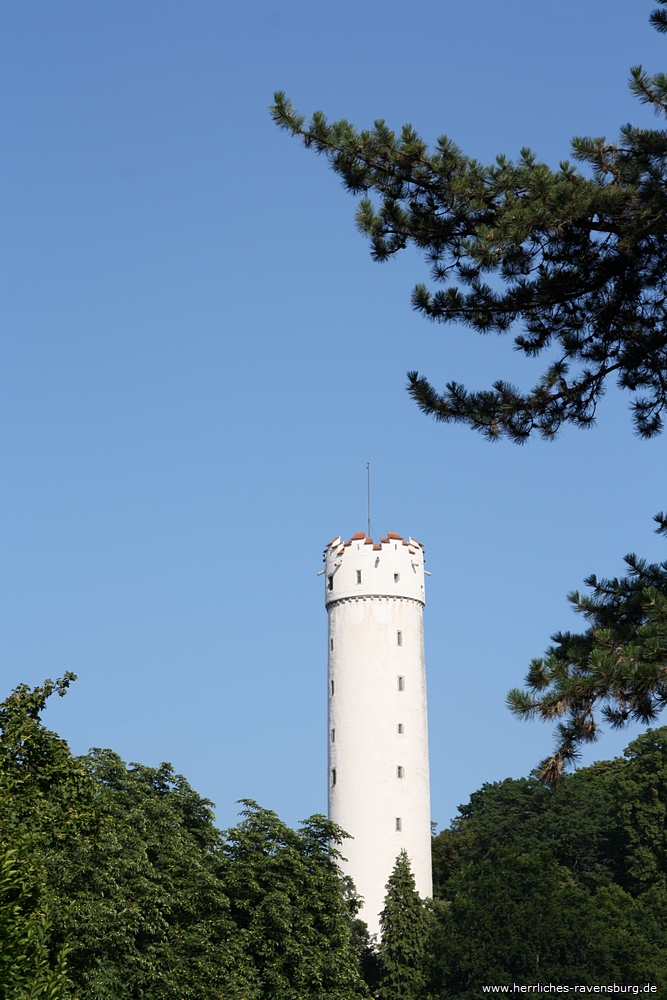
(331,645)
(400,727)
(333,735)
(399,638)
(399,771)
(399,824)
(330,582)
(333,776)
(401,684)
(397,577)
(358,576)
(332,689)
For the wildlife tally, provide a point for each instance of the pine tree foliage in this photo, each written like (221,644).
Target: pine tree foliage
(576,258)
(405,927)
(615,671)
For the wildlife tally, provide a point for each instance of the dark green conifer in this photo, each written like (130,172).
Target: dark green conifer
(405,927)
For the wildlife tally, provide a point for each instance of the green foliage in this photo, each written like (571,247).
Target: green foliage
(521,917)
(405,927)
(29,968)
(606,824)
(640,816)
(293,905)
(44,790)
(148,899)
(572,821)
(577,259)
(536,883)
(566,883)
(149,915)
(616,669)
(123,888)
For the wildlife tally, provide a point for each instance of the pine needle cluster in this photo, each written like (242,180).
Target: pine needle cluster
(615,671)
(575,258)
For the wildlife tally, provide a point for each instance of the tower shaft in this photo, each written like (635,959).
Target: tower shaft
(378,733)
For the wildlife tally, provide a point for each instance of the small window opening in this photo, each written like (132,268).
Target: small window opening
(401,684)
(333,735)
(400,727)
(397,577)
(331,645)
(399,824)
(332,688)
(399,771)
(333,776)
(399,638)
(358,576)
(330,582)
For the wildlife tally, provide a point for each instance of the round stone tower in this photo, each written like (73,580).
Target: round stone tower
(378,733)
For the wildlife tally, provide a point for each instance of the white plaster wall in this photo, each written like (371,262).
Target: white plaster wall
(379,564)
(365,710)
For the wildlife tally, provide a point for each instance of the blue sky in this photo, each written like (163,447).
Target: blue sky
(198,358)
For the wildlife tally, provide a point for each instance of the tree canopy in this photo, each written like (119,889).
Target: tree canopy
(29,967)
(116,885)
(124,876)
(575,258)
(566,883)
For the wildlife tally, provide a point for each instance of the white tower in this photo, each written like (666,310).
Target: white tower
(378,733)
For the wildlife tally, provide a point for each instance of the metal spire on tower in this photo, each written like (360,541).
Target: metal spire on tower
(368,497)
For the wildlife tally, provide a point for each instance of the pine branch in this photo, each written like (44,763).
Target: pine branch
(615,671)
(580,259)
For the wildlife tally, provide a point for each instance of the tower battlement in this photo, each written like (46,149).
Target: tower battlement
(361,567)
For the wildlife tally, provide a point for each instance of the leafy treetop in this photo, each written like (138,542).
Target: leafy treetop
(128,879)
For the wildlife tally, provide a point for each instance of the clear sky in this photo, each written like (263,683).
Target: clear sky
(198,358)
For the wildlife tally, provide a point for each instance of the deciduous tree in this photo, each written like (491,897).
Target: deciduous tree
(566,882)
(148,898)
(30,968)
